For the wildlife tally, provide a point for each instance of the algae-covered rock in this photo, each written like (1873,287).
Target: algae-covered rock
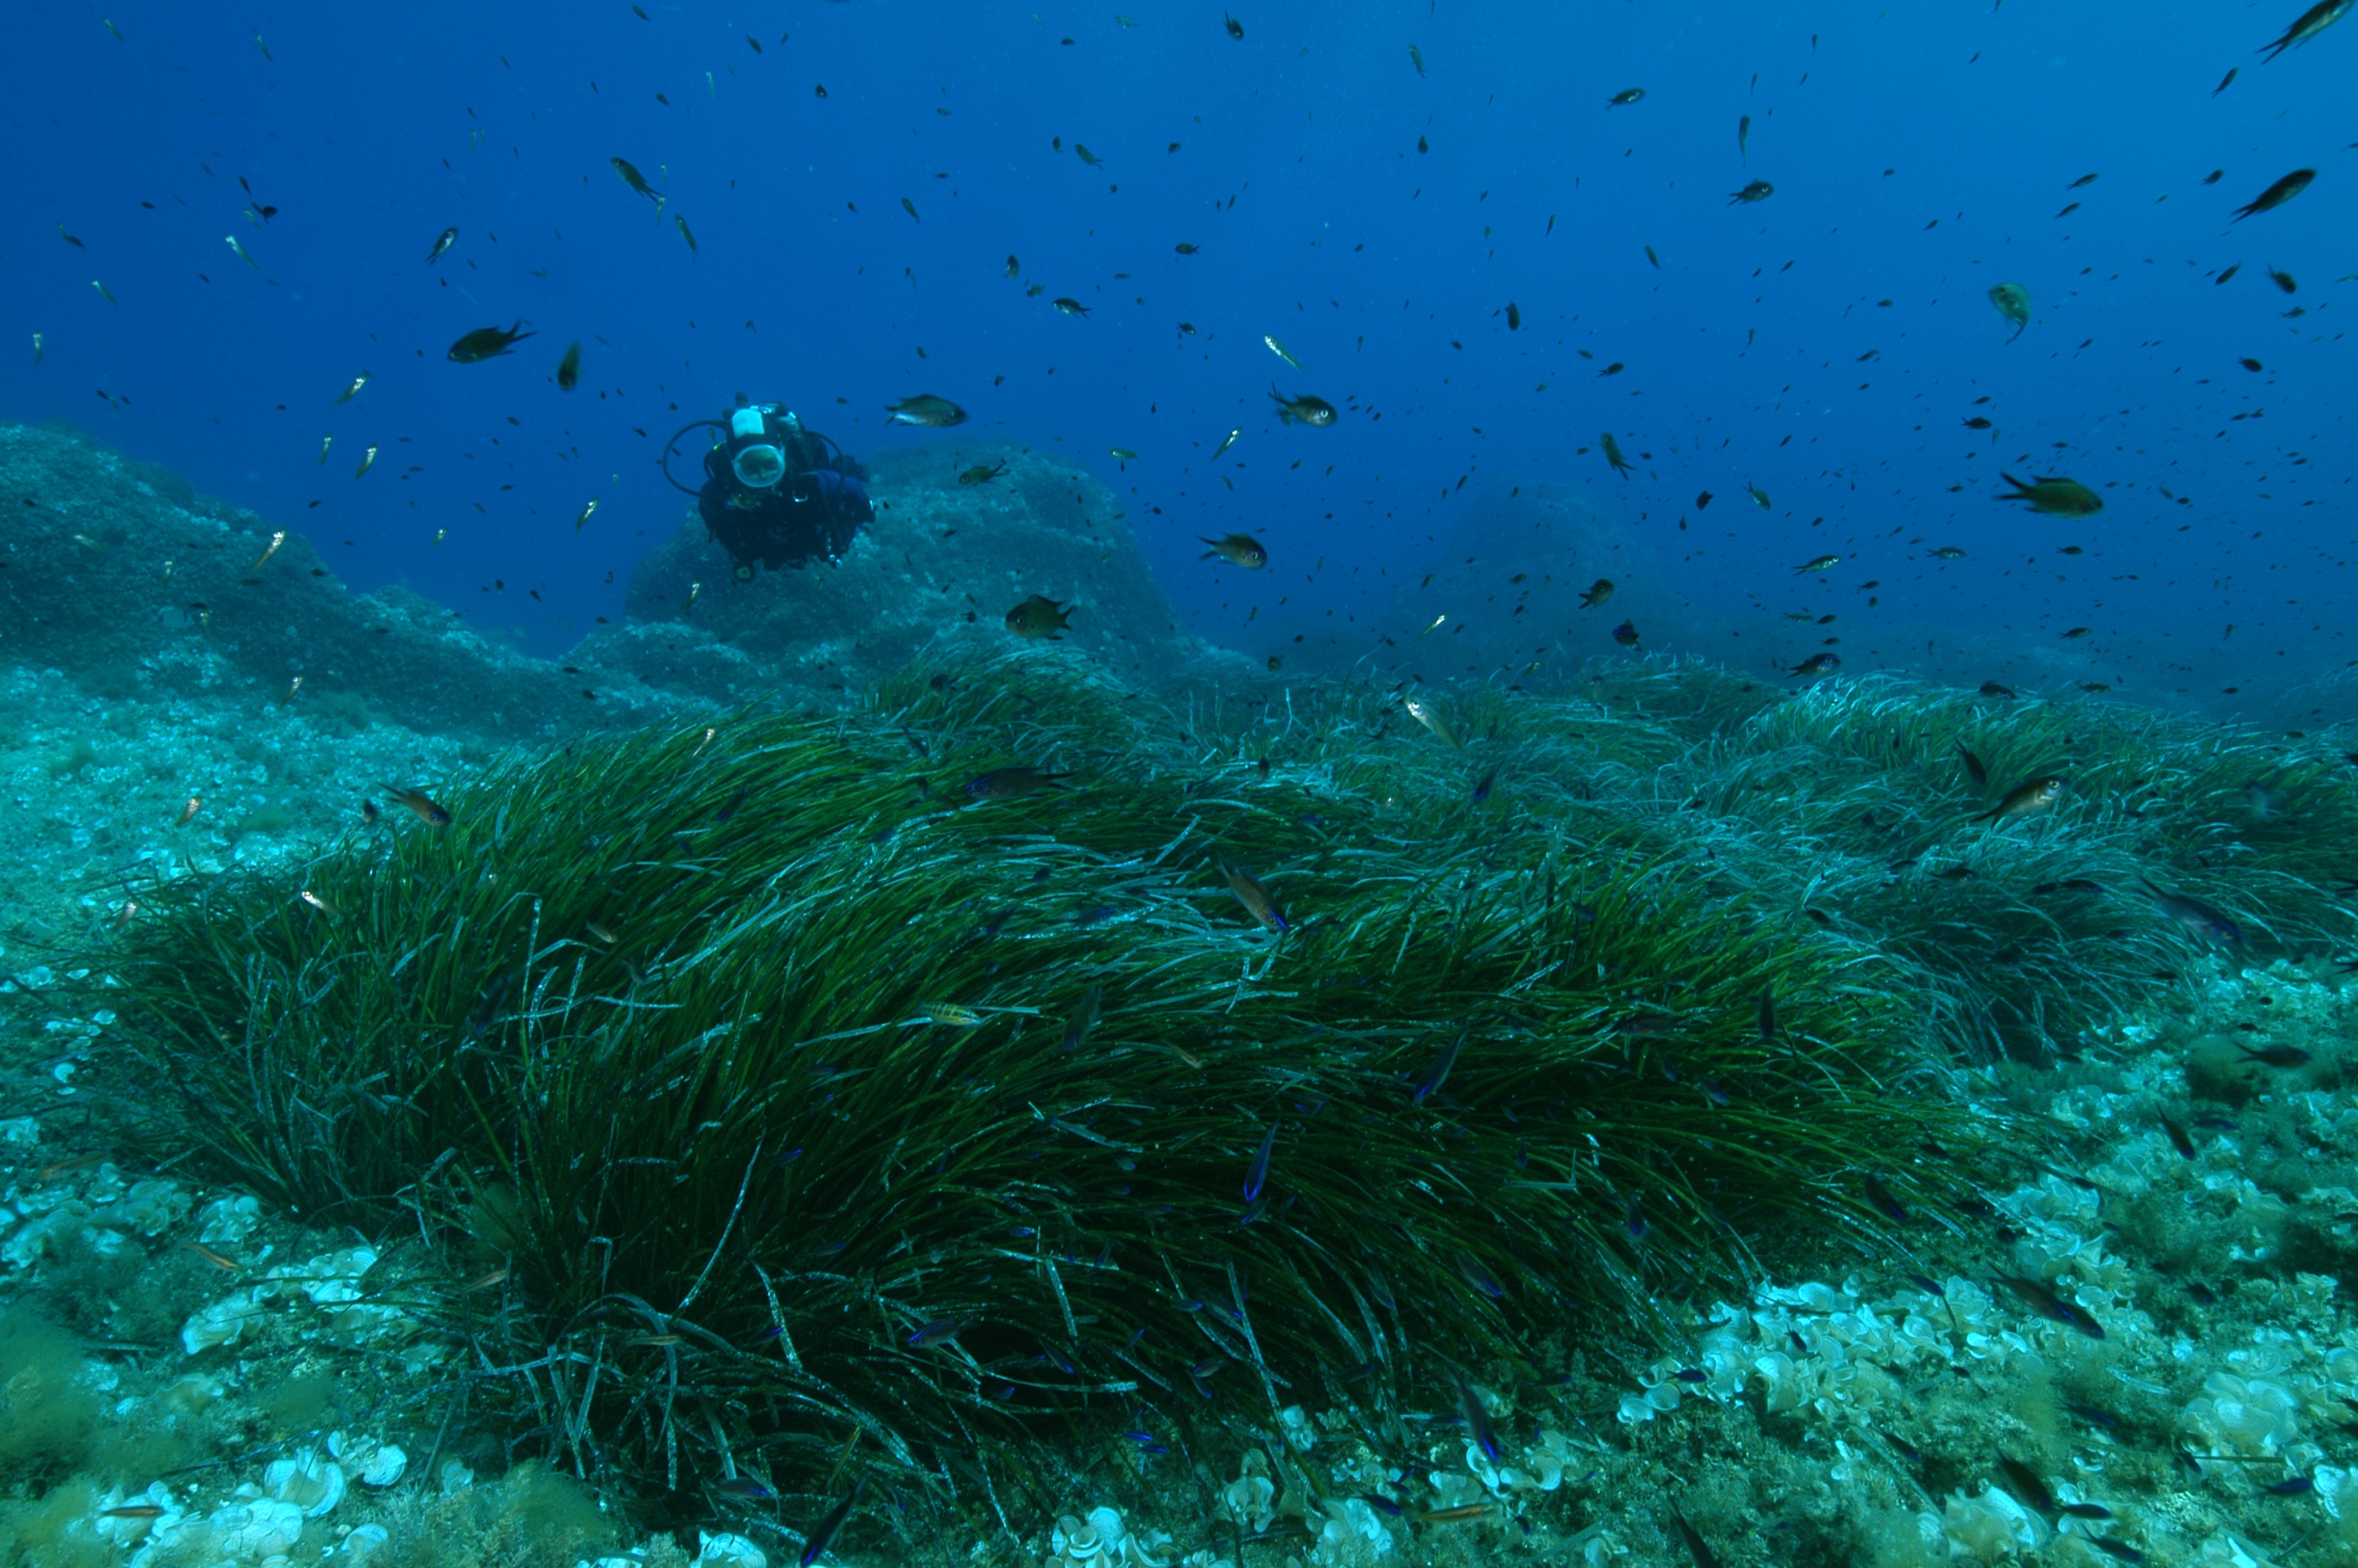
(139,590)
(943,563)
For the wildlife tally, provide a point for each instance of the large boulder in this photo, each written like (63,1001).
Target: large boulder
(941,565)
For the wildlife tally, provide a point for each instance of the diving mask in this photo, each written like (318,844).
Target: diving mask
(757,467)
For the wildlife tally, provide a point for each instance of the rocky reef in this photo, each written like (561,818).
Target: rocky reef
(118,574)
(939,568)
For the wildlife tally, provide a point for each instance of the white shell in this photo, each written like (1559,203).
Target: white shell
(150,1207)
(34,1237)
(221,1322)
(331,1278)
(1076,1541)
(1294,1422)
(362,1543)
(1989,1527)
(1247,1501)
(373,1463)
(1152,1548)
(731,1552)
(252,1531)
(227,1221)
(310,1481)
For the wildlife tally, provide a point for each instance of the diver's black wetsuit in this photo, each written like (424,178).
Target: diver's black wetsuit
(815,509)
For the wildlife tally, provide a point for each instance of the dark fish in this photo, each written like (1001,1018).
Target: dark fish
(2230,270)
(1039,616)
(2284,280)
(1696,1545)
(939,1331)
(2291,1488)
(1470,1269)
(1438,1074)
(1483,785)
(1256,898)
(1235,28)
(1977,423)
(1973,769)
(1514,317)
(1599,594)
(939,413)
(825,1533)
(1477,1422)
(1817,664)
(2025,800)
(1304,410)
(1880,1196)
(2178,1139)
(447,238)
(418,805)
(1758,190)
(1612,449)
(1258,1172)
(636,181)
(2224,80)
(1237,549)
(568,369)
(2047,1303)
(2194,914)
(2120,1550)
(1633,1219)
(1992,688)
(1625,634)
(2057,497)
(2277,1055)
(1377,1501)
(1011,784)
(485,343)
(2026,1481)
(1768,1015)
(2312,22)
(745,1486)
(1070,307)
(2276,195)
(1083,1020)
(1626,95)
(2085,1511)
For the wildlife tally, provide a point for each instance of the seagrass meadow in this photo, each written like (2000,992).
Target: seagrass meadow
(788,1099)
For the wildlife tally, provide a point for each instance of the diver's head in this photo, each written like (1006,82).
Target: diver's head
(757,461)
(759,466)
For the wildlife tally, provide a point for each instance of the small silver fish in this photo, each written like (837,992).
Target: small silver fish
(1429,716)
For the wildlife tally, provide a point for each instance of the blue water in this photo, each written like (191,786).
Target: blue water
(1918,155)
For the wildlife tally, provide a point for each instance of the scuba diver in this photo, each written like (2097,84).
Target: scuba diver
(775,494)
